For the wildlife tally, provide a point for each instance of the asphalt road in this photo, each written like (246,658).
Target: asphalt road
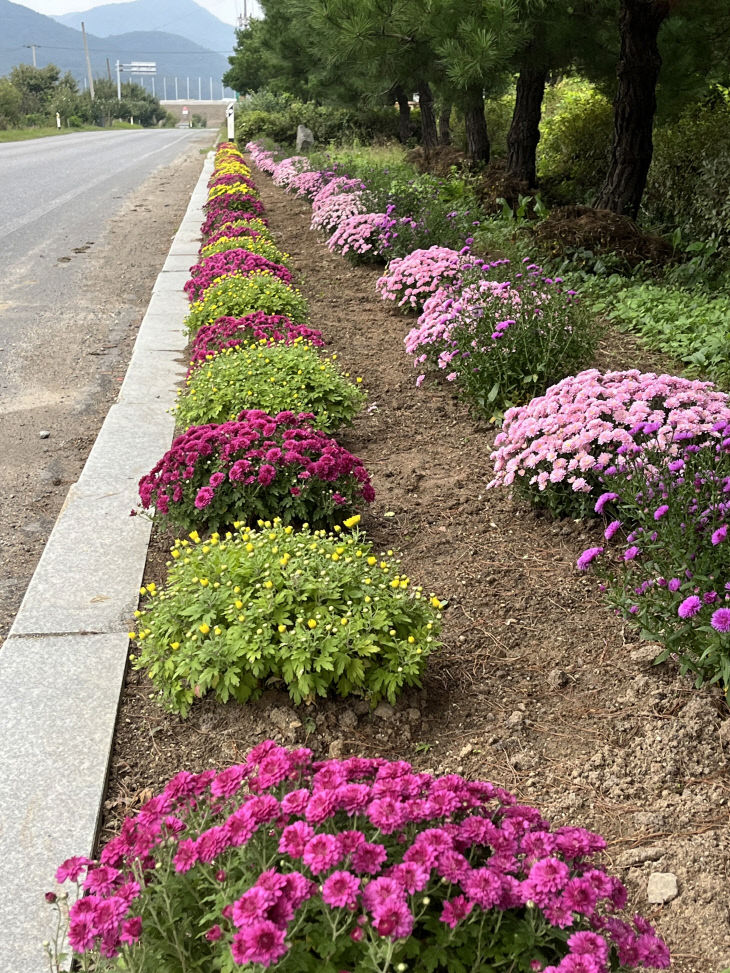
(86,221)
(56,196)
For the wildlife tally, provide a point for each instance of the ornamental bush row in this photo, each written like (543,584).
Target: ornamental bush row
(256,459)
(512,339)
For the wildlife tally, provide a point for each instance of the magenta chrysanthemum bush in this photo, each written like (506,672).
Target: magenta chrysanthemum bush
(230,231)
(234,203)
(411,280)
(229,332)
(286,170)
(559,448)
(258,467)
(359,236)
(231,179)
(238,262)
(336,209)
(664,559)
(358,864)
(222,217)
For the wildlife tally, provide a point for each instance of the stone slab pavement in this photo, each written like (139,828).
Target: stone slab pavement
(62,665)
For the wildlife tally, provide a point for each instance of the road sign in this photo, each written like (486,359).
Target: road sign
(140,67)
(185,110)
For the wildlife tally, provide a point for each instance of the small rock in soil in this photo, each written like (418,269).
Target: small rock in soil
(384,711)
(44,434)
(645,653)
(347,719)
(662,888)
(637,856)
(337,749)
(557,679)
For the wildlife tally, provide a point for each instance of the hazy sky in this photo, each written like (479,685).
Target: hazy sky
(225,10)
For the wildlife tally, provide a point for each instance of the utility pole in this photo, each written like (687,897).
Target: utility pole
(108,69)
(32,47)
(119,81)
(153,86)
(176,88)
(200,82)
(188,94)
(88,60)
(164,88)
(211,89)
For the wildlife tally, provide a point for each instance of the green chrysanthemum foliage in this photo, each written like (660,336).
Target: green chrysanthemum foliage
(236,296)
(315,611)
(274,378)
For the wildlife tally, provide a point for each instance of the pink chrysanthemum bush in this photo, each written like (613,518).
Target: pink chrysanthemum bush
(358,865)
(236,229)
(230,263)
(257,467)
(359,237)
(261,157)
(335,186)
(306,185)
(229,332)
(287,169)
(230,179)
(336,209)
(256,243)
(558,448)
(664,559)
(410,280)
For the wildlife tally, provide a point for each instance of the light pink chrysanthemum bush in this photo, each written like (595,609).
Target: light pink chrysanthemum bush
(337,208)
(262,158)
(411,280)
(559,447)
(353,865)
(288,169)
(358,236)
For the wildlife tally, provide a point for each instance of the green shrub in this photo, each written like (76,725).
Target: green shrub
(236,296)
(687,185)
(315,611)
(274,378)
(575,142)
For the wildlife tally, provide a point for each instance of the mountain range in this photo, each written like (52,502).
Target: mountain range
(182,17)
(176,55)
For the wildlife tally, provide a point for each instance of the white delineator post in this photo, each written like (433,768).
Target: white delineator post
(231,121)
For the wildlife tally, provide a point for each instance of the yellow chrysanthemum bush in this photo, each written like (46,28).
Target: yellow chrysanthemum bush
(274,378)
(260,245)
(317,611)
(236,296)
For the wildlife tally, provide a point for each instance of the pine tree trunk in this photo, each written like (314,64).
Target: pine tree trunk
(429,132)
(634,106)
(524,132)
(477,137)
(445,125)
(404,114)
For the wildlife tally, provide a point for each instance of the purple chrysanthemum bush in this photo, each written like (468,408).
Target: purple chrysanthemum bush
(355,865)
(230,332)
(256,467)
(558,448)
(664,559)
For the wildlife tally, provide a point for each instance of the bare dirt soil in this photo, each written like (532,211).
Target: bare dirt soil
(537,688)
(67,386)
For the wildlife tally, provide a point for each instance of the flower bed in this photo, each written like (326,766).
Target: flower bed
(237,296)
